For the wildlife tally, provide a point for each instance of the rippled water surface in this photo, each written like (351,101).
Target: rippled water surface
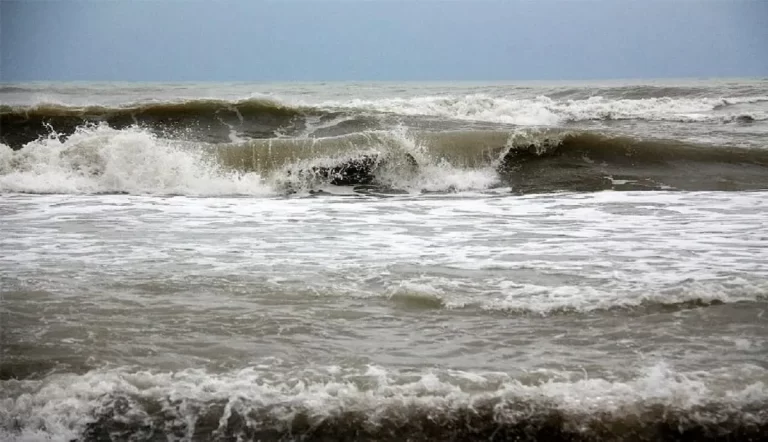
(473,291)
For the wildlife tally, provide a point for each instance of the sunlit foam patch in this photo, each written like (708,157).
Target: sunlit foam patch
(373,403)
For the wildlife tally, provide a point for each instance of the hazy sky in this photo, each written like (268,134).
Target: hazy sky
(381,40)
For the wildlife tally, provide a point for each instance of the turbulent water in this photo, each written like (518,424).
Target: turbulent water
(392,261)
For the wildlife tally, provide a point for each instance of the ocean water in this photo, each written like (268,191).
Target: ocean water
(385,261)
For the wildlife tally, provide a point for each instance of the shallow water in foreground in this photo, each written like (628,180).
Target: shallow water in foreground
(594,315)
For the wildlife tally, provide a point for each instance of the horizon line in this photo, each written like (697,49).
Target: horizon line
(274,81)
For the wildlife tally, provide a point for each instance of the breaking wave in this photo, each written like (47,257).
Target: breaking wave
(98,158)
(373,403)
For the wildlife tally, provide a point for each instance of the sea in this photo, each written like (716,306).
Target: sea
(516,261)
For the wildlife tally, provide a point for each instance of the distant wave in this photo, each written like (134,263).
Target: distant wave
(545,111)
(9,88)
(171,109)
(208,120)
(226,121)
(641,91)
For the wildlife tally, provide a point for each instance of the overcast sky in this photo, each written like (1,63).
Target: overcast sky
(380,40)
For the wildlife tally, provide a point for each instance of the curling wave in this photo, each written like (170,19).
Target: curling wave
(98,158)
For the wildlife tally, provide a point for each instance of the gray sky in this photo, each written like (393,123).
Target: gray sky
(380,40)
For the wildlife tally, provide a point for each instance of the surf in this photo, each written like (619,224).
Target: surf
(97,158)
(376,403)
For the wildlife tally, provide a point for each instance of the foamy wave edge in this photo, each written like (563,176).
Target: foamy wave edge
(545,300)
(374,402)
(545,111)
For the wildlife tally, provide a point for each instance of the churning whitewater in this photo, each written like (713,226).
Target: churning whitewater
(384,262)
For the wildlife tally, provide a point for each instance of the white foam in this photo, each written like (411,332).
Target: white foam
(510,296)
(60,406)
(536,253)
(545,111)
(434,174)
(101,159)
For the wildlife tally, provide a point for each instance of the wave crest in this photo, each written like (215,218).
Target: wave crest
(98,158)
